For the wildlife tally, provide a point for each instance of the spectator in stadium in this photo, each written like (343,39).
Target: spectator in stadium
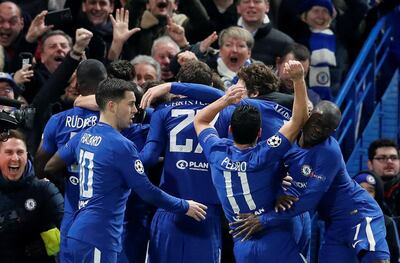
(268,41)
(355,229)
(329,57)
(235,45)
(300,53)
(374,186)
(383,160)
(54,48)
(15,38)
(30,209)
(163,51)
(8,89)
(145,68)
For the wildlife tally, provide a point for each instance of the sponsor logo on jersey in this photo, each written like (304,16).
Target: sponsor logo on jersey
(191,165)
(307,171)
(139,167)
(73,180)
(274,141)
(30,204)
(300,185)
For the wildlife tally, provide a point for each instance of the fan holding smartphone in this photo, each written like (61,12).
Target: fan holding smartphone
(25,74)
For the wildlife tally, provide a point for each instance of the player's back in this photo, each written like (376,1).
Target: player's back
(246,180)
(60,128)
(186,172)
(273,116)
(101,153)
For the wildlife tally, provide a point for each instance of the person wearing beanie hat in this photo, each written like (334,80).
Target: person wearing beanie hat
(328,56)
(374,186)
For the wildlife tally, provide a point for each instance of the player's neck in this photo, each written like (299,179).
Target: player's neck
(244,146)
(108,119)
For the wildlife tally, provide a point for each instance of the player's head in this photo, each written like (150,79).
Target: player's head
(323,120)
(121,69)
(116,99)
(245,124)
(195,71)
(259,79)
(89,74)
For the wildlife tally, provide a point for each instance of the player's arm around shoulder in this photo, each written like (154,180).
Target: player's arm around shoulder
(204,118)
(300,110)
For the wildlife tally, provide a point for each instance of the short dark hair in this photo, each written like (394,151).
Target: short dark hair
(245,124)
(89,74)
(121,69)
(56,33)
(299,51)
(379,144)
(112,90)
(14,134)
(195,71)
(259,77)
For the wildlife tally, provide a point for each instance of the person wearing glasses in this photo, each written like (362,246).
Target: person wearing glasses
(383,160)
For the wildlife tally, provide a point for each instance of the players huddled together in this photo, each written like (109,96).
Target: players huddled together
(184,154)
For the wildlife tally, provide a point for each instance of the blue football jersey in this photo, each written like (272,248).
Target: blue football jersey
(186,172)
(246,180)
(109,168)
(59,130)
(321,182)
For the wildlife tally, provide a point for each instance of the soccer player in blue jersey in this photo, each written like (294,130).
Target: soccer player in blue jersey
(186,175)
(355,229)
(108,168)
(62,127)
(246,174)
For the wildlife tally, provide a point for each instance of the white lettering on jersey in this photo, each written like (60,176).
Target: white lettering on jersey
(80,123)
(234,166)
(91,140)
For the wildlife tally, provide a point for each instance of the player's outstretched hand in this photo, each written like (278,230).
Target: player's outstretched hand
(154,93)
(245,226)
(285,202)
(196,210)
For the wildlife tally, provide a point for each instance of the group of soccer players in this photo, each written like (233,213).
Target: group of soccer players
(243,175)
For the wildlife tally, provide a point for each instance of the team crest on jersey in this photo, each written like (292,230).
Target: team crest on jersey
(306,170)
(274,141)
(74,180)
(139,167)
(30,204)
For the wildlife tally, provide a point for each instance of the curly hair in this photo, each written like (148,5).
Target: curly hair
(259,78)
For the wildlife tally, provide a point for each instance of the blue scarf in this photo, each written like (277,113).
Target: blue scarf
(322,47)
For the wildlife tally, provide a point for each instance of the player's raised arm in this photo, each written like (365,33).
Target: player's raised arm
(204,118)
(300,111)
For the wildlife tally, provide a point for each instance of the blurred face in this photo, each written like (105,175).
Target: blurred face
(370,188)
(71,92)
(163,54)
(11,23)
(97,11)
(234,53)
(6,90)
(161,7)
(13,159)
(280,69)
(317,17)
(54,51)
(144,72)
(386,163)
(125,110)
(252,11)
